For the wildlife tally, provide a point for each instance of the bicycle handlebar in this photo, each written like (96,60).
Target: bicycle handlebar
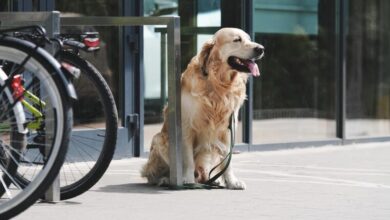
(88,41)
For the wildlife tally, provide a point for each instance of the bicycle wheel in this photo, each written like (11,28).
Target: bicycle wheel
(93,140)
(42,77)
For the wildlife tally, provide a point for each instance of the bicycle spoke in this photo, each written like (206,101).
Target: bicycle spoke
(86,153)
(25,159)
(88,138)
(11,177)
(85,144)
(5,186)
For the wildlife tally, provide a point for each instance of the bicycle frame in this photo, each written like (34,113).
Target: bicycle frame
(29,101)
(38,116)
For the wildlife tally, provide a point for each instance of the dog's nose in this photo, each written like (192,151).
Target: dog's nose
(259,50)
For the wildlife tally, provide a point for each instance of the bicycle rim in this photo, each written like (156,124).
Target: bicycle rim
(49,139)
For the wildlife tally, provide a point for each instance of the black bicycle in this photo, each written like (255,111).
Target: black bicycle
(94,135)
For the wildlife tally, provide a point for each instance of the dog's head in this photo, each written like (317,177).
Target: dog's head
(233,47)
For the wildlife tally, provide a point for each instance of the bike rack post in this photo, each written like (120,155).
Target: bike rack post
(51,22)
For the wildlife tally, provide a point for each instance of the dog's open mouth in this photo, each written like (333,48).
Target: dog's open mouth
(244,65)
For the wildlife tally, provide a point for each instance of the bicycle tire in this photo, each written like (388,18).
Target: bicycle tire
(83,181)
(47,70)
(95,78)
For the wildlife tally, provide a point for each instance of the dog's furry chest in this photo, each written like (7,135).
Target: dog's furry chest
(210,111)
(207,105)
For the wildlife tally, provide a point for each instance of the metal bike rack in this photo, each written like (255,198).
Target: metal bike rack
(174,98)
(51,22)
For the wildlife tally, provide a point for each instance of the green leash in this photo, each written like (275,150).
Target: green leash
(210,184)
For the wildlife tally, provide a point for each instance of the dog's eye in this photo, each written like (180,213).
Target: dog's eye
(237,39)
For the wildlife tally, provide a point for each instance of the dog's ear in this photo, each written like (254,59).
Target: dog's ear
(204,55)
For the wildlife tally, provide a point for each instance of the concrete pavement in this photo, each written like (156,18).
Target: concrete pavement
(333,182)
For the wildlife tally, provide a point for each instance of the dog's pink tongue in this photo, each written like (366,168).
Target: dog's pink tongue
(253,68)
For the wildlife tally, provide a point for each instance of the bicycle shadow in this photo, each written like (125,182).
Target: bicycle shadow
(136,188)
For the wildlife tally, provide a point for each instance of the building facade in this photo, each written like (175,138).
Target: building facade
(325,77)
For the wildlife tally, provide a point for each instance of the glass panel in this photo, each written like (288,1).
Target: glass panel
(294,98)
(106,60)
(368,69)
(155,78)
(209,13)
(89,7)
(155,68)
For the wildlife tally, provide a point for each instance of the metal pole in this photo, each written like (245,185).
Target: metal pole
(174,106)
(52,25)
(247,10)
(341,109)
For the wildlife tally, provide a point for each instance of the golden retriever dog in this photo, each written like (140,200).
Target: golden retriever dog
(212,89)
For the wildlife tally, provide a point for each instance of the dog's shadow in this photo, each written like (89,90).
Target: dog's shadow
(136,188)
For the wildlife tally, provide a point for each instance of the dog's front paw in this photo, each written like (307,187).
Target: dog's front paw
(188,176)
(188,179)
(236,184)
(219,182)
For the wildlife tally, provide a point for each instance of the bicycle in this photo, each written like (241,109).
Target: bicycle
(92,144)
(31,77)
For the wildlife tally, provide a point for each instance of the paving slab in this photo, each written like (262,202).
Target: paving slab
(331,182)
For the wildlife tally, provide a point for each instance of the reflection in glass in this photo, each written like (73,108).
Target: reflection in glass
(368,69)
(106,59)
(294,96)
(155,81)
